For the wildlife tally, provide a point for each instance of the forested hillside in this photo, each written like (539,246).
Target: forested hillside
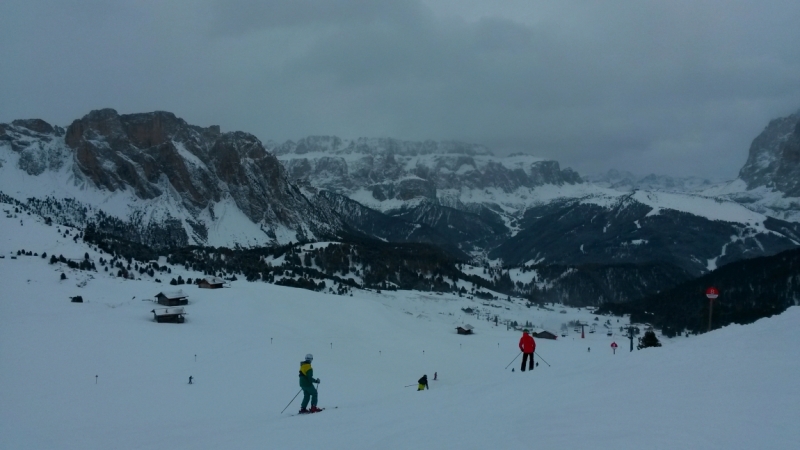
(749,290)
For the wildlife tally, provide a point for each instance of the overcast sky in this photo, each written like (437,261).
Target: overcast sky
(678,87)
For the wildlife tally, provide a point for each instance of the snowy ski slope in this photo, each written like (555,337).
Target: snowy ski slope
(104,375)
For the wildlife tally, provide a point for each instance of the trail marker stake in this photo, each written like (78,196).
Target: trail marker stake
(712,293)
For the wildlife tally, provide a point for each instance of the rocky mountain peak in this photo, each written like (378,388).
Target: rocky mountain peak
(379,147)
(102,123)
(35,125)
(392,169)
(194,172)
(38,144)
(774,157)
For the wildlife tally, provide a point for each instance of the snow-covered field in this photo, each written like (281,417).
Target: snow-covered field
(104,375)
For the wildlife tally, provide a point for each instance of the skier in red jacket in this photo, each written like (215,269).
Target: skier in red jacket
(527,346)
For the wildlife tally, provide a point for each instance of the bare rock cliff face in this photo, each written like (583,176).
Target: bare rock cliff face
(774,159)
(117,152)
(38,143)
(158,155)
(403,170)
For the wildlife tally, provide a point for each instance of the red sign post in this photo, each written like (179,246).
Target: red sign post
(712,293)
(614,347)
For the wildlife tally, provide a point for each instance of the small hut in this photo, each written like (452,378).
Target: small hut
(174,315)
(175,298)
(466,329)
(544,334)
(211,283)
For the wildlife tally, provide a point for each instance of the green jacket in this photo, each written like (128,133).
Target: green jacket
(306,375)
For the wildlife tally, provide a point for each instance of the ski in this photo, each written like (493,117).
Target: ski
(310,413)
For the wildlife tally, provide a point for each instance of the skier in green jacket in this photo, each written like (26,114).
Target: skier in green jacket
(307,381)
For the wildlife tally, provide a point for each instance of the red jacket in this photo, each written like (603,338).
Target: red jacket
(527,344)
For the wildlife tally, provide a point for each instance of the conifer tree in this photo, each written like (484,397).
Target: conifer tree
(649,340)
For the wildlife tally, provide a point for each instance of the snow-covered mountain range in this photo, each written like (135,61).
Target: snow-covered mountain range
(167,183)
(525,210)
(769,182)
(156,171)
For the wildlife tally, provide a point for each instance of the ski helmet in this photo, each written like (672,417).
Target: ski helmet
(309,357)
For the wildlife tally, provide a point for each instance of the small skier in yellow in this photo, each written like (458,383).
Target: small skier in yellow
(423,383)
(307,381)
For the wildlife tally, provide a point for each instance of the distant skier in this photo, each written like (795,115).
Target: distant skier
(190,379)
(307,381)
(527,346)
(434,376)
(423,383)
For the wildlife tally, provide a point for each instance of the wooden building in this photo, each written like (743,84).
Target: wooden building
(211,283)
(466,329)
(173,315)
(544,334)
(176,298)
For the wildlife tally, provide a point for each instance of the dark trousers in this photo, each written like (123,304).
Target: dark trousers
(309,393)
(525,358)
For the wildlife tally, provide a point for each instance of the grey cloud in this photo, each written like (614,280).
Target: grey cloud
(244,16)
(667,87)
(493,34)
(654,80)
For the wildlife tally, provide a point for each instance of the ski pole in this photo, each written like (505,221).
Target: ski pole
(512,361)
(540,357)
(295,396)
(409,385)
